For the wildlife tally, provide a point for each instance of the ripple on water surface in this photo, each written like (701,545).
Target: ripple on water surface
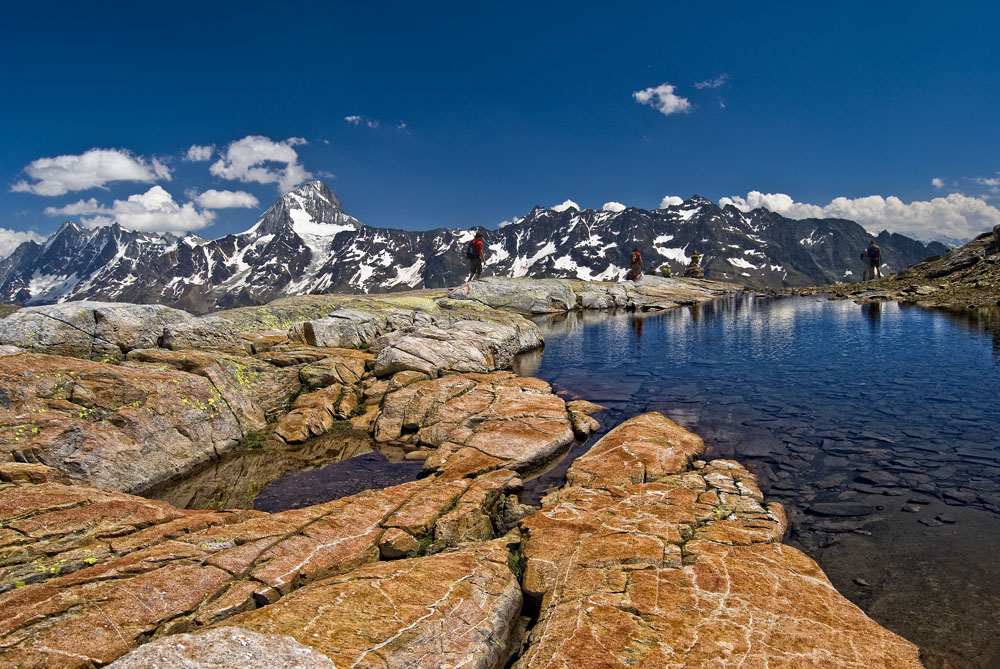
(871,423)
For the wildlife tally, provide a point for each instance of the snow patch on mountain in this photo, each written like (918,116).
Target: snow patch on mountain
(50,287)
(523,264)
(408,276)
(812,239)
(675,254)
(741,263)
(498,253)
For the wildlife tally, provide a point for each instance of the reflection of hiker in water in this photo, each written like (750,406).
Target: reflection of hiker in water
(635,266)
(637,326)
(873,310)
(873,261)
(474,252)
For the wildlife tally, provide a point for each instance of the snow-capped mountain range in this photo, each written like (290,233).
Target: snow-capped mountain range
(305,243)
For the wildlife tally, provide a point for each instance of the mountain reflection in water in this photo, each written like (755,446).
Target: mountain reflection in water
(870,423)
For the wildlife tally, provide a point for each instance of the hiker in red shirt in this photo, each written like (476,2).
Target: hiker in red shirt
(474,252)
(635,266)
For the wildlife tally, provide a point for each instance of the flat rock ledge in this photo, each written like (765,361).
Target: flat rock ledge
(542,296)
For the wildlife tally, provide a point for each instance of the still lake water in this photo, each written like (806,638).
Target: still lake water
(870,423)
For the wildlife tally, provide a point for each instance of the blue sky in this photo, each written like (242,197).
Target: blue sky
(423,115)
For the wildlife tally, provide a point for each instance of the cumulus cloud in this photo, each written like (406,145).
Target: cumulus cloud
(613,207)
(670,201)
(152,211)
(718,82)
(663,99)
(253,158)
(955,216)
(991,182)
(92,169)
(11,239)
(568,204)
(226,199)
(937,182)
(199,154)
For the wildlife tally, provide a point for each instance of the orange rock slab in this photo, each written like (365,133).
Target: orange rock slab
(452,609)
(681,565)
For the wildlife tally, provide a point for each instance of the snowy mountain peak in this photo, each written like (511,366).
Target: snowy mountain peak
(311,209)
(314,191)
(698,200)
(68,233)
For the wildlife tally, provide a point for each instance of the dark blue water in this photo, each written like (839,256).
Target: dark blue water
(873,424)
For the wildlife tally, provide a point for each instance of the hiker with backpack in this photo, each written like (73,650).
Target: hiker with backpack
(635,265)
(474,253)
(873,261)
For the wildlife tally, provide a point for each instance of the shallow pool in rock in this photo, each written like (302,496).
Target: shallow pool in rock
(342,462)
(873,424)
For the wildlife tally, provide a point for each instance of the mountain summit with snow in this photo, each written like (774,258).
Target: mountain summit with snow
(306,243)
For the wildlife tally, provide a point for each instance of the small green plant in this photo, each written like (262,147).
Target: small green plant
(423,546)
(254,440)
(515,562)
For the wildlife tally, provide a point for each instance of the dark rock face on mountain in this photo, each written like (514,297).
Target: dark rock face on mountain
(305,244)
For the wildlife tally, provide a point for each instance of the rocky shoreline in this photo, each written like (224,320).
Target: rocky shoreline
(647,556)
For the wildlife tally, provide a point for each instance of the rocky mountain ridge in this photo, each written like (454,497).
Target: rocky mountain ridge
(305,243)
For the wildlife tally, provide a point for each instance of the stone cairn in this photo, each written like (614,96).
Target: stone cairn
(694,268)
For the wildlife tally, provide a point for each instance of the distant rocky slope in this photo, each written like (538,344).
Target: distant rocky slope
(648,556)
(965,277)
(306,244)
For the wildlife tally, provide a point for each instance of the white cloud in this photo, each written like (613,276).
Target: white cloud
(614,207)
(992,182)
(78,208)
(955,216)
(92,169)
(663,99)
(152,211)
(199,154)
(250,160)
(670,201)
(568,204)
(357,120)
(226,199)
(713,83)
(937,182)
(11,239)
